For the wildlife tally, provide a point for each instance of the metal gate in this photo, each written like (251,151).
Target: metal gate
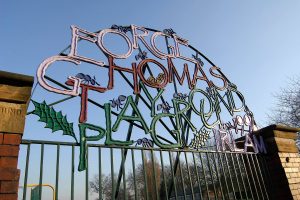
(141,173)
(191,151)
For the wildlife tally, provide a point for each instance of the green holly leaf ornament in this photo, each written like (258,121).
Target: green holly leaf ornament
(56,121)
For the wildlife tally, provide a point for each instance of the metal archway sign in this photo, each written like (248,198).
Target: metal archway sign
(176,97)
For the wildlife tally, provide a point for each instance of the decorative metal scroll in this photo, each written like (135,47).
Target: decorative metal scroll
(176,96)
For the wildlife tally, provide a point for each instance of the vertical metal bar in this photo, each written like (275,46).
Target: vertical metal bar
(124,176)
(87,175)
(181,175)
(167,45)
(145,175)
(72,173)
(252,176)
(41,171)
(236,175)
(256,175)
(262,172)
(133,171)
(100,173)
(112,173)
(241,173)
(265,168)
(189,174)
(164,177)
(154,174)
(230,176)
(26,171)
(267,174)
(247,177)
(171,184)
(218,175)
(173,179)
(211,175)
(204,173)
(261,176)
(57,171)
(186,127)
(220,158)
(197,175)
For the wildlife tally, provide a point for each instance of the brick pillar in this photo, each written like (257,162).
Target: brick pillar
(283,161)
(15,92)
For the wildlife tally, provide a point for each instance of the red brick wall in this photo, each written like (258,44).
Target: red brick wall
(9,174)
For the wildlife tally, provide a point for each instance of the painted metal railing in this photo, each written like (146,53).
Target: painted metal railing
(141,173)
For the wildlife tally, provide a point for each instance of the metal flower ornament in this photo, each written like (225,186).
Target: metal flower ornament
(172,96)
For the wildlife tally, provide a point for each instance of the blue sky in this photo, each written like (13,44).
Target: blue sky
(255,43)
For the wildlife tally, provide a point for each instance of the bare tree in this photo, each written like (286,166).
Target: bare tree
(144,176)
(105,188)
(147,173)
(287,110)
